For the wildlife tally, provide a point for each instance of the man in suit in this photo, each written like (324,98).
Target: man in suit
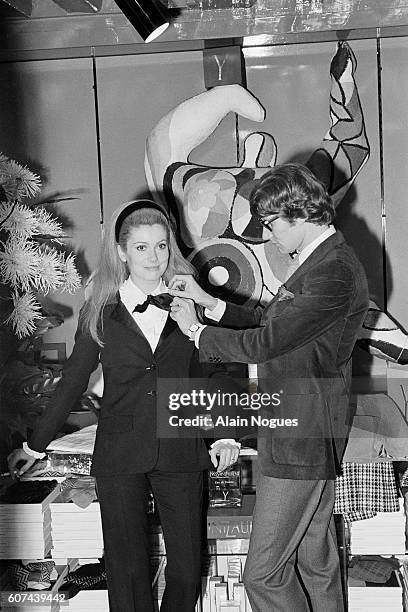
(302,342)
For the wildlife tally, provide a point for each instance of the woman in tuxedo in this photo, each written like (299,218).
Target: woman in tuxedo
(125,324)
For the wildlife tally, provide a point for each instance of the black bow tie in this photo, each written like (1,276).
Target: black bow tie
(163,301)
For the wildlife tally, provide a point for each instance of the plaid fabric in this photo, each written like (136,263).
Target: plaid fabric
(363,489)
(404,479)
(373,568)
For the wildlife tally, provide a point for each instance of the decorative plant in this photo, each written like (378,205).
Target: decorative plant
(32,261)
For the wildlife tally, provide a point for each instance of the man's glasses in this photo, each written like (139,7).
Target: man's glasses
(268,220)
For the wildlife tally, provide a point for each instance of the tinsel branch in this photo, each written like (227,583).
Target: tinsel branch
(31,263)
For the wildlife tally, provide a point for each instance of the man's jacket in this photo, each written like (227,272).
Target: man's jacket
(302,342)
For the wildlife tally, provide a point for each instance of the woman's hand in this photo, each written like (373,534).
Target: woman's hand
(224,454)
(17,456)
(185,286)
(184,313)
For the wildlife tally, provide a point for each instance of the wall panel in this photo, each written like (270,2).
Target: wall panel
(395,133)
(48,122)
(134,92)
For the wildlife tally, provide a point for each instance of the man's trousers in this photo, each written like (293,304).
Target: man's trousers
(293,563)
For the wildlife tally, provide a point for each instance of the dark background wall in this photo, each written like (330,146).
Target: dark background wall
(81,122)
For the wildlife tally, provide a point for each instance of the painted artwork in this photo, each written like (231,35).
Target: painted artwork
(226,244)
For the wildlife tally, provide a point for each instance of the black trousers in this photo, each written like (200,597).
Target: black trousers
(123,502)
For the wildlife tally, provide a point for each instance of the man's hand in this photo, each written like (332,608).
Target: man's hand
(15,457)
(183,312)
(224,454)
(185,286)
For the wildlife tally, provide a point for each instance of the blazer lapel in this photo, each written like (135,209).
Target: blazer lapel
(169,327)
(121,314)
(315,257)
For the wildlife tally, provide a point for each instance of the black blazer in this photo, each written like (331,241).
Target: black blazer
(303,342)
(126,439)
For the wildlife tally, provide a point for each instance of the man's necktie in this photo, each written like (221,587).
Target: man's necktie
(163,301)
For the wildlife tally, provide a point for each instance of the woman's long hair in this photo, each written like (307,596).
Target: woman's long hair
(111,271)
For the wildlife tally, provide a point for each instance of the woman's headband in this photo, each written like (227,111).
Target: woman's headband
(137,205)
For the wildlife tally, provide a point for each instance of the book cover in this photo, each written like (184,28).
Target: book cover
(225,488)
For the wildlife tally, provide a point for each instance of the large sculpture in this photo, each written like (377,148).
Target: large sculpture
(211,205)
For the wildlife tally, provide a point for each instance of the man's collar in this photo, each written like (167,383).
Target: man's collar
(319,254)
(308,250)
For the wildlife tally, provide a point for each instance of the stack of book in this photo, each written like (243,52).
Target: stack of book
(227,549)
(76,532)
(225,591)
(384,534)
(370,599)
(25,519)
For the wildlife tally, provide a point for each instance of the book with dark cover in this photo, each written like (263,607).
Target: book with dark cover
(225,488)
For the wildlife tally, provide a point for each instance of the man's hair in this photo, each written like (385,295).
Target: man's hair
(294,192)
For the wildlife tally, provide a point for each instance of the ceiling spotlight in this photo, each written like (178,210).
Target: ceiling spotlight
(145,16)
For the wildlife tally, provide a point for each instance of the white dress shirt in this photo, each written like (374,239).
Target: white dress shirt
(312,246)
(153,319)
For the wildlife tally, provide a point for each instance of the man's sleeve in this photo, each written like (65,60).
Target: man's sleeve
(241,317)
(74,382)
(233,315)
(289,324)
